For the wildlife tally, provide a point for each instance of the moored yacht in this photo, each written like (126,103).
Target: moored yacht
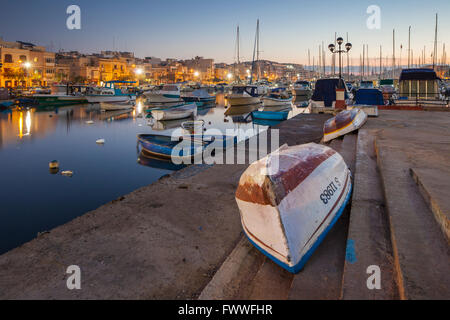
(242,95)
(302,89)
(110,92)
(168,94)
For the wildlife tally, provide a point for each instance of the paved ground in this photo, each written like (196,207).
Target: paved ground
(163,241)
(419,140)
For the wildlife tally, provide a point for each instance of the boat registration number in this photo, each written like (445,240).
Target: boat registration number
(330,191)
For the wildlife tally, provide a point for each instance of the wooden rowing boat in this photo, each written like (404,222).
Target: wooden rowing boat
(182,149)
(290,200)
(345,122)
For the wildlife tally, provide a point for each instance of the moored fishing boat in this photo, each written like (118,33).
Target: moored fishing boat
(324,95)
(289,201)
(168,94)
(185,148)
(368,100)
(345,122)
(277,97)
(242,95)
(201,97)
(177,112)
(110,92)
(302,89)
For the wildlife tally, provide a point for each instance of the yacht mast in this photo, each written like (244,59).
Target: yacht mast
(393,55)
(257,50)
(435,42)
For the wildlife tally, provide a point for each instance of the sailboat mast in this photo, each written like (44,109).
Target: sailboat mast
(393,55)
(409,48)
(435,42)
(257,50)
(381,61)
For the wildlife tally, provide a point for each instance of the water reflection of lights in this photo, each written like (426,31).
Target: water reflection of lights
(27,124)
(21,125)
(139,107)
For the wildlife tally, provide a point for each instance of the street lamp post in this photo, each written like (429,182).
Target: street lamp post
(26,66)
(333,50)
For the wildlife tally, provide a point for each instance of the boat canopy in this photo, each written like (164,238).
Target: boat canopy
(418,74)
(387,82)
(251,90)
(325,91)
(373,97)
(302,82)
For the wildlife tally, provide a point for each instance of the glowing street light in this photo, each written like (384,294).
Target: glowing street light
(27,65)
(229,76)
(196,74)
(333,50)
(139,71)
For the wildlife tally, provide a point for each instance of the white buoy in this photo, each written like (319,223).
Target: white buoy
(100,141)
(67,173)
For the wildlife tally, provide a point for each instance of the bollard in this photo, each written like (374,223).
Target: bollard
(340,99)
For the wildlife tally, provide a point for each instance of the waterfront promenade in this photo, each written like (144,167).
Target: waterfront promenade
(181,237)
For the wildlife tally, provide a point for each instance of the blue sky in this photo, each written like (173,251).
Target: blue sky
(184,29)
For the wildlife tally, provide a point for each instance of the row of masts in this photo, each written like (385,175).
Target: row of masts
(255,60)
(382,65)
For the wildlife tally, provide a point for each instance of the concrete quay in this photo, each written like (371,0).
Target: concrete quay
(181,237)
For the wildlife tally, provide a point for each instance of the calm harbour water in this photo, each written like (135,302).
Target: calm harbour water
(33,200)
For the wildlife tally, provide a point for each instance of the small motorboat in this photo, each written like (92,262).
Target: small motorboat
(168,94)
(368,100)
(113,106)
(270,115)
(177,112)
(290,200)
(182,149)
(277,97)
(302,89)
(345,122)
(110,92)
(242,95)
(201,97)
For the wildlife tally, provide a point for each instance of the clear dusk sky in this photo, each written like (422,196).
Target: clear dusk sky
(186,28)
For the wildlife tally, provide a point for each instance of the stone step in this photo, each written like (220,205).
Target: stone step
(233,278)
(321,278)
(421,252)
(270,283)
(434,187)
(368,241)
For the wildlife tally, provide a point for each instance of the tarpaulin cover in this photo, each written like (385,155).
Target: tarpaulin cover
(418,74)
(325,91)
(373,97)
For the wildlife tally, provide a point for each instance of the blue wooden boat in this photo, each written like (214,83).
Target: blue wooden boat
(270,115)
(184,148)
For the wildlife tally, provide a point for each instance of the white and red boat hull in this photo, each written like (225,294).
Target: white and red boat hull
(288,208)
